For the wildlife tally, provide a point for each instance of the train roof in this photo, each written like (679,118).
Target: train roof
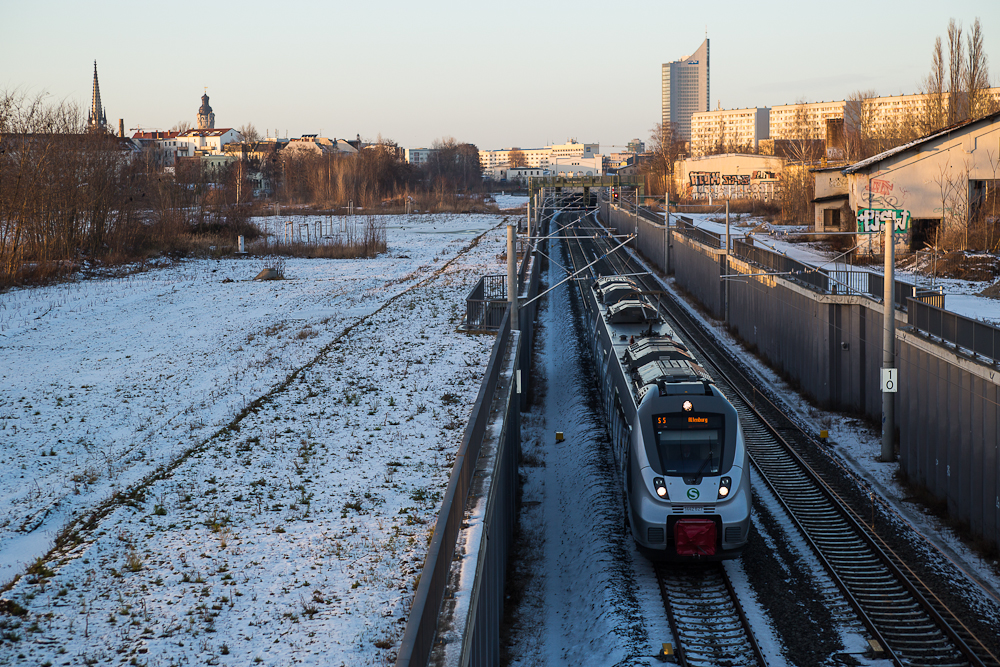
(632,311)
(645,350)
(671,377)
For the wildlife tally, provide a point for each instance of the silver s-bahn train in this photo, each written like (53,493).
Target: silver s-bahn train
(677,441)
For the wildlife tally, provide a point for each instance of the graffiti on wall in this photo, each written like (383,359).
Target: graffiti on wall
(882,194)
(874,220)
(759,184)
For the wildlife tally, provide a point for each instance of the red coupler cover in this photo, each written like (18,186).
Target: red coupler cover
(695,537)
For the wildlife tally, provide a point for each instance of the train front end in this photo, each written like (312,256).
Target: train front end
(690,489)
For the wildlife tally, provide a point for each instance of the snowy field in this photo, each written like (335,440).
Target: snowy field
(235,472)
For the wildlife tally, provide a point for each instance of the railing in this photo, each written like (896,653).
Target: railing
(486,303)
(703,236)
(977,337)
(836,281)
(794,269)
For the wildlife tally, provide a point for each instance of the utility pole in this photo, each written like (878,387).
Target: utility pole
(889,380)
(512,275)
(727,263)
(666,234)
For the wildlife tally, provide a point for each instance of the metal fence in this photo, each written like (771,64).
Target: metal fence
(486,303)
(421,628)
(703,236)
(836,281)
(977,337)
(481,633)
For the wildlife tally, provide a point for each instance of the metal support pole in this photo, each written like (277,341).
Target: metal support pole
(888,345)
(666,235)
(727,263)
(529,220)
(512,275)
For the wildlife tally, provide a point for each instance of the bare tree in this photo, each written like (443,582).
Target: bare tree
(935,116)
(664,148)
(181,126)
(977,78)
(957,108)
(517,158)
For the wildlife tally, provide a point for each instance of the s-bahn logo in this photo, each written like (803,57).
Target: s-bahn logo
(693,494)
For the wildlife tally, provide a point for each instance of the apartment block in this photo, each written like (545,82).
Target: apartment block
(787,119)
(731,130)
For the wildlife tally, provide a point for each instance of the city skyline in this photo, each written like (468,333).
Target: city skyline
(496,78)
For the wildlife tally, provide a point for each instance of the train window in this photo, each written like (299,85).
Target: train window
(690,444)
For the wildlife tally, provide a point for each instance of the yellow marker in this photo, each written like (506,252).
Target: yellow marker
(877,649)
(666,653)
(824,434)
(559,436)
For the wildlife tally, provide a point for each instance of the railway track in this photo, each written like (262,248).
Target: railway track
(903,615)
(705,617)
(703,611)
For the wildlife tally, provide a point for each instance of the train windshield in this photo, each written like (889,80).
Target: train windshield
(690,444)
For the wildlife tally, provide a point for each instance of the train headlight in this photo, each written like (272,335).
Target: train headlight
(660,486)
(724,485)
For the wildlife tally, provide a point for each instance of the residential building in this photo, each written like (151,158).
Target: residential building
(685,90)
(420,156)
(636,146)
(803,121)
(316,145)
(537,158)
(729,130)
(204,142)
(161,146)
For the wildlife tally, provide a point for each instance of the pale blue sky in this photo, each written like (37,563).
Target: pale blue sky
(513,73)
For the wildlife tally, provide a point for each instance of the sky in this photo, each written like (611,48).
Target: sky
(517,73)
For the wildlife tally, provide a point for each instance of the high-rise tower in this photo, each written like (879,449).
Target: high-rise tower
(96,118)
(685,90)
(206,119)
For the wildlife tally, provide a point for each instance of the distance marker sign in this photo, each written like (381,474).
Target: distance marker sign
(890,380)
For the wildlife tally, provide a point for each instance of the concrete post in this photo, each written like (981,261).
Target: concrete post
(726,311)
(888,345)
(666,235)
(512,275)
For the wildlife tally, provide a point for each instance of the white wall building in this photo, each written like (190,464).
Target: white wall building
(537,158)
(205,142)
(419,156)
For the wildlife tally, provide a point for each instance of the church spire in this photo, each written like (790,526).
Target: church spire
(96,119)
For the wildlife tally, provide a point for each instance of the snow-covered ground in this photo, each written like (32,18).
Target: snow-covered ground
(238,472)
(507,201)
